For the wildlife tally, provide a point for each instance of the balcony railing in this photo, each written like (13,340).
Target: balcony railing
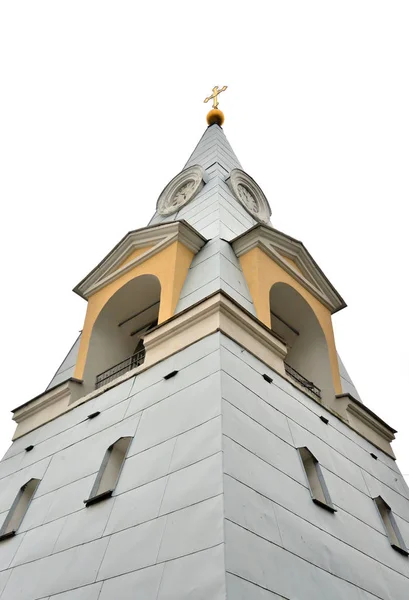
(309,385)
(123,367)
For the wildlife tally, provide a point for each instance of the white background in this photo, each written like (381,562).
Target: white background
(101,104)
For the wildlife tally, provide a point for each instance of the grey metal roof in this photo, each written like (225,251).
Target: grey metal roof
(214,268)
(67,367)
(214,212)
(218,216)
(346,381)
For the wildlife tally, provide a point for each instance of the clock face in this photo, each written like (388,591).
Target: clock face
(250,195)
(247,198)
(183,194)
(180,190)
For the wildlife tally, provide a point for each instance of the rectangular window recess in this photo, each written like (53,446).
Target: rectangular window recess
(98,498)
(323,505)
(7,535)
(29,448)
(171,374)
(400,550)
(373,455)
(94,414)
(324,419)
(267,378)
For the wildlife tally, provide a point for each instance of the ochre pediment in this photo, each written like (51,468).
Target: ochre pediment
(294,258)
(136,247)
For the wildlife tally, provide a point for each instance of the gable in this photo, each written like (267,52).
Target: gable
(137,247)
(294,258)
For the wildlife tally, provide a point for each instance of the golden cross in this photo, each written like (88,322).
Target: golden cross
(216,92)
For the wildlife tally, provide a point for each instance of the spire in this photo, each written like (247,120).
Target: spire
(215,209)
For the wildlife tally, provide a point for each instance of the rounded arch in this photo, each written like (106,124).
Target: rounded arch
(119,328)
(295,321)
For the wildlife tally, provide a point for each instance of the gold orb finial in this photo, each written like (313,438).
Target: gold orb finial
(215,116)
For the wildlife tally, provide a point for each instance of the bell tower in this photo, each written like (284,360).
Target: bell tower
(202,438)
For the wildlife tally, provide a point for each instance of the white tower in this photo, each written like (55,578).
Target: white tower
(202,439)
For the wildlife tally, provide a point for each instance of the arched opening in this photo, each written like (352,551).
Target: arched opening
(109,471)
(19,508)
(116,343)
(307,362)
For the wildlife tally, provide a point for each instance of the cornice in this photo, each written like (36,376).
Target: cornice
(222,305)
(367,416)
(217,312)
(277,246)
(158,237)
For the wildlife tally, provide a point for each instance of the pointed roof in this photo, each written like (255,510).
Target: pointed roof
(217,215)
(215,211)
(212,148)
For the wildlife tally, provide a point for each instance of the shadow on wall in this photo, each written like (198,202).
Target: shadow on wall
(118,331)
(293,319)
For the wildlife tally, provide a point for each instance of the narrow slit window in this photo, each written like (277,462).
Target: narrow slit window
(316,482)
(19,508)
(109,471)
(391,527)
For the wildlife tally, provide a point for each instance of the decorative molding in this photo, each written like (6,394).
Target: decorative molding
(46,406)
(158,237)
(217,312)
(366,422)
(250,195)
(277,246)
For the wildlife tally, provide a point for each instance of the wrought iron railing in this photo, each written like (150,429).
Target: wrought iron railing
(309,385)
(123,367)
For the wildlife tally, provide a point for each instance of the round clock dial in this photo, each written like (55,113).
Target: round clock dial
(180,190)
(183,194)
(250,195)
(247,198)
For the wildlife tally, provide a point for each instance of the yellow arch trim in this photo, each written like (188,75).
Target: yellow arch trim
(261,273)
(170,266)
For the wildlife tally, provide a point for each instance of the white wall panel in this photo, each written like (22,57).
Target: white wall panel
(8,550)
(37,543)
(240,589)
(132,549)
(11,465)
(10,485)
(328,457)
(56,573)
(249,509)
(274,568)
(198,576)
(67,499)
(398,503)
(139,585)
(180,412)
(197,443)
(84,525)
(184,379)
(332,555)
(85,457)
(193,484)
(192,529)
(77,433)
(89,592)
(4,577)
(243,398)
(260,441)
(136,506)
(146,466)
